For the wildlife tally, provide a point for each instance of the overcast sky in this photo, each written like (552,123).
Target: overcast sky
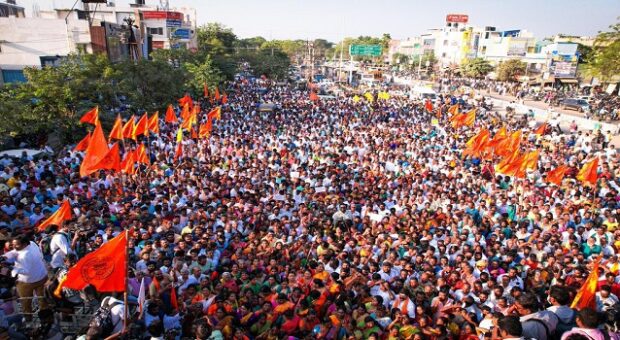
(333,19)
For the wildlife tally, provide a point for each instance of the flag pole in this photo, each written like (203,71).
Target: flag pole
(125,296)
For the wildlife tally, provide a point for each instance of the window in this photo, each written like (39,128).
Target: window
(156,30)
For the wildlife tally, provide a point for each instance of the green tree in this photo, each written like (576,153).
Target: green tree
(476,68)
(216,38)
(511,69)
(201,73)
(604,61)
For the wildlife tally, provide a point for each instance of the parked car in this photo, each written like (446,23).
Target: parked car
(575,104)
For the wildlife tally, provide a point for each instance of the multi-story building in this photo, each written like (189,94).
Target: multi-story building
(47,36)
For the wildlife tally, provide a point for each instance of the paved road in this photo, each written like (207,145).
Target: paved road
(537,105)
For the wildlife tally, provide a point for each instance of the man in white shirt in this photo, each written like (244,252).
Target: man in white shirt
(60,246)
(29,267)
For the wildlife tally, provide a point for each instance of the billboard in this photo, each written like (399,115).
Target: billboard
(146,15)
(115,41)
(564,69)
(512,33)
(517,48)
(458,18)
(181,33)
(173,23)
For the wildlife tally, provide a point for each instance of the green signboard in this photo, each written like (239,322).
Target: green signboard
(365,50)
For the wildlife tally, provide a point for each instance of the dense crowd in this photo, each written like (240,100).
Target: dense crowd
(329,219)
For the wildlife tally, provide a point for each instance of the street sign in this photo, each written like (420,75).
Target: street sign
(173,23)
(365,50)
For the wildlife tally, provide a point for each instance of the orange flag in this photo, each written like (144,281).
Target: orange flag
(454,109)
(117,129)
(215,114)
(173,298)
(97,149)
(170,116)
(142,127)
(313,96)
(83,144)
(128,128)
(154,123)
(477,143)
(186,100)
(556,175)
(194,133)
(588,173)
(91,117)
(507,165)
(586,295)
(224,98)
(111,161)
(142,155)
(127,165)
(469,118)
(206,90)
(104,268)
(530,161)
(178,153)
(508,145)
(541,129)
(189,122)
(217,93)
(205,129)
(59,217)
(499,136)
(185,112)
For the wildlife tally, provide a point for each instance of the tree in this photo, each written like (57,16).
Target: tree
(476,68)
(511,69)
(216,38)
(604,61)
(201,73)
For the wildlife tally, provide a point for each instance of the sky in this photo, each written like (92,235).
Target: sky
(335,19)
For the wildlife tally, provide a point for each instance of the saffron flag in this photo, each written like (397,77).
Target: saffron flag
(154,123)
(111,161)
(556,175)
(173,294)
(97,149)
(469,118)
(215,114)
(224,98)
(530,161)
(141,296)
(454,109)
(194,134)
(205,129)
(586,295)
(170,116)
(142,127)
(104,268)
(185,112)
(217,93)
(178,153)
(127,165)
(588,173)
(313,96)
(186,100)
(83,144)
(508,145)
(206,90)
(189,122)
(117,129)
(541,129)
(128,128)
(91,117)
(59,217)
(142,156)
(477,144)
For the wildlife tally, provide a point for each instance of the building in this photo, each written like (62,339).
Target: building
(48,36)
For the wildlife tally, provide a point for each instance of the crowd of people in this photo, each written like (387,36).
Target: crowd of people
(327,219)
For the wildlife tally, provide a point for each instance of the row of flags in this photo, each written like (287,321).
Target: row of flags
(514,163)
(106,267)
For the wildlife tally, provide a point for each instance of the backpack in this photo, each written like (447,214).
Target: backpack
(101,325)
(564,327)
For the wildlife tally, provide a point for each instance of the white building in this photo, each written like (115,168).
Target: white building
(48,36)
